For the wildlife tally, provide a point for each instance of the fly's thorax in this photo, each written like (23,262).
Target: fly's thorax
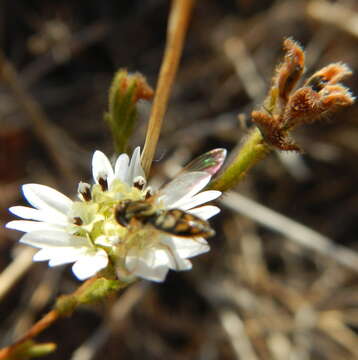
(137,210)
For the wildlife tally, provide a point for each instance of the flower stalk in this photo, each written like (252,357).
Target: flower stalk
(91,291)
(177,27)
(252,151)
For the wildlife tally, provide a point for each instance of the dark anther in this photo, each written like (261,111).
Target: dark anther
(148,194)
(77,221)
(85,190)
(139,183)
(86,193)
(103,183)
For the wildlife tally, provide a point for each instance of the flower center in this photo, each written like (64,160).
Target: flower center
(93,215)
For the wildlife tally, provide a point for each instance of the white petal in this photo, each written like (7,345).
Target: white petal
(183,265)
(121,167)
(40,215)
(90,264)
(27,226)
(186,247)
(58,256)
(45,198)
(198,199)
(157,274)
(49,253)
(148,264)
(183,187)
(62,260)
(177,262)
(205,212)
(51,239)
(101,167)
(135,167)
(42,255)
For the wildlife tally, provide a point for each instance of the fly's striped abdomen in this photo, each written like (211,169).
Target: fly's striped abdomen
(174,221)
(180,223)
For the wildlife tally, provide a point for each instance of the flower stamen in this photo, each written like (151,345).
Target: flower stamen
(84,189)
(149,193)
(139,182)
(77,221)
(102,181)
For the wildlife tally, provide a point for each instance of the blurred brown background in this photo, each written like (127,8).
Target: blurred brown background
(258,294)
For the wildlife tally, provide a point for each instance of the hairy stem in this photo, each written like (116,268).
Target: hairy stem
(252,151)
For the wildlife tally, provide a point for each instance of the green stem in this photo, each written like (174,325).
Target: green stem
(251,152)
(94,290)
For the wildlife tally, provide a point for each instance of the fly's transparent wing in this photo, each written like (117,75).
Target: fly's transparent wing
(183,187)
(210,162)
(192,179)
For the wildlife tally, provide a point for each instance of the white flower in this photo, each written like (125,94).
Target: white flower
(86,232)
(52,224)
